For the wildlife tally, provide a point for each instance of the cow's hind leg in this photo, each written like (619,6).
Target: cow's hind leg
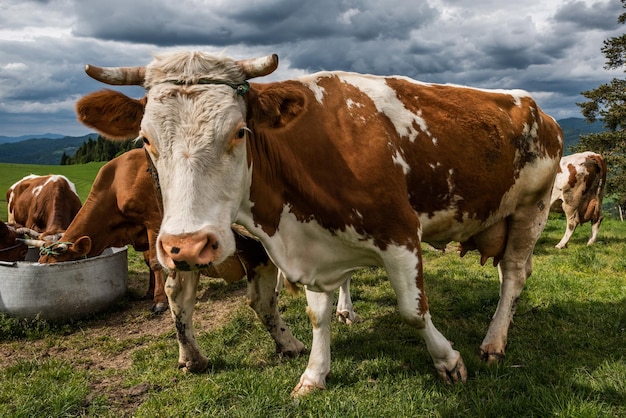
(345,311)
(180,288)
(405,273)
(263,299)
(572,223)
(524,228)
(595,227)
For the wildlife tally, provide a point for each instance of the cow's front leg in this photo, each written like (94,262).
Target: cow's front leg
(319,309)
(263,290)
(345,311)
(180,288)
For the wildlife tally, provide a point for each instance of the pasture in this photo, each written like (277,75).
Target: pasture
(566,354)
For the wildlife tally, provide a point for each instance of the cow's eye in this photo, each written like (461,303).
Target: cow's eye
(145,141)
(241,133)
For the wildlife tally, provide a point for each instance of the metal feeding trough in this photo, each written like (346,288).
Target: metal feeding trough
(61,291)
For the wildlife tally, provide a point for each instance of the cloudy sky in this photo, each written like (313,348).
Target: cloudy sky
(548,47)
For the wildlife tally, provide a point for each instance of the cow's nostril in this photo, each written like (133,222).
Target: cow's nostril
(175,250)
(215,245)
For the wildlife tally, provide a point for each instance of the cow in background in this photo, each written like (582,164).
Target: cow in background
(123,208)
(44,204)
(337,171)
(11,249)
(578,191)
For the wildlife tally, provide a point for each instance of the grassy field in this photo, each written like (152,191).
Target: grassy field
(566,355)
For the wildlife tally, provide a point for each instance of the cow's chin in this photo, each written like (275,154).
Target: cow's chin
(196,250)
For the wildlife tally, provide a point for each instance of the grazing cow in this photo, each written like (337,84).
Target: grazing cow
(337,171)
(123,208)
(578,192)
(10,248)
(45,204)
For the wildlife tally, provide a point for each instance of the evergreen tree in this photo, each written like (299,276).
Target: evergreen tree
(607,103)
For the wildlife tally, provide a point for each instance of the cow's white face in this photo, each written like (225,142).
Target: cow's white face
(196,136)
(192,121)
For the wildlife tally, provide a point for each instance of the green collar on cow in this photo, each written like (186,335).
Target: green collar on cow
(241,88)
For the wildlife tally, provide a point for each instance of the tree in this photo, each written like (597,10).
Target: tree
(607,103)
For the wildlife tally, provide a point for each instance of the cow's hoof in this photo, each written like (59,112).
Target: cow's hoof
(197,366)
(159,307)
(293,349)
(456,374)
(348,317)
(490,357)
(303,390)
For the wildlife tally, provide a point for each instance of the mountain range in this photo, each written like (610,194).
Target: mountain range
(48,148)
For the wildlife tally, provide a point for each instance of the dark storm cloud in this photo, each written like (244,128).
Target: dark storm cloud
(600,15)
(549,47)
(169,23)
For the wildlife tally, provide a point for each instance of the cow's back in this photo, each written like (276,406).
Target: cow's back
(464,157)
(46,204)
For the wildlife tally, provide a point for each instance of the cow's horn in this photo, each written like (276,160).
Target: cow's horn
(258,67)
(117,76)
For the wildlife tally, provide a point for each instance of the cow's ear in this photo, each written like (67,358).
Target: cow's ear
(82,246)
(111,113)
(279,106)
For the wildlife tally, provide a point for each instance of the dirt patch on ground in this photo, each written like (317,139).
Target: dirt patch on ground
(128,327)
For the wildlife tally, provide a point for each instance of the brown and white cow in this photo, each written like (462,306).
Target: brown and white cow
(10,248)
(123,208)
(578,192)
(45,204)
(337,171)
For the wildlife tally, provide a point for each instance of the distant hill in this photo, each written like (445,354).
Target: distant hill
(46,151)
(573,128)
(8,139)
(48,148)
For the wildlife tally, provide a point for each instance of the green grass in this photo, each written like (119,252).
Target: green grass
(566,355)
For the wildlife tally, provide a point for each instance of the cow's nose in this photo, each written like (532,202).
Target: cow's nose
(190,251)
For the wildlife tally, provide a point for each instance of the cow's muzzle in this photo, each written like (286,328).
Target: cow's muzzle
(189,251)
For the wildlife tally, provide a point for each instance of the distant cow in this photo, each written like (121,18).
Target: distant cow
(45,204)
(10,248)
(578,192)
(122,208)
(337,171)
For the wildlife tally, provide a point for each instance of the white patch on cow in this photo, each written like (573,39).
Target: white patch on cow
(435,141)
(298,247)
(434,166)
(386,101)
(312,83)
(37,190)
(531,131)
(399,159)
(29,177)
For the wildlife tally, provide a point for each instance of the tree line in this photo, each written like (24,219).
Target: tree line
(100,149)
(607,103)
